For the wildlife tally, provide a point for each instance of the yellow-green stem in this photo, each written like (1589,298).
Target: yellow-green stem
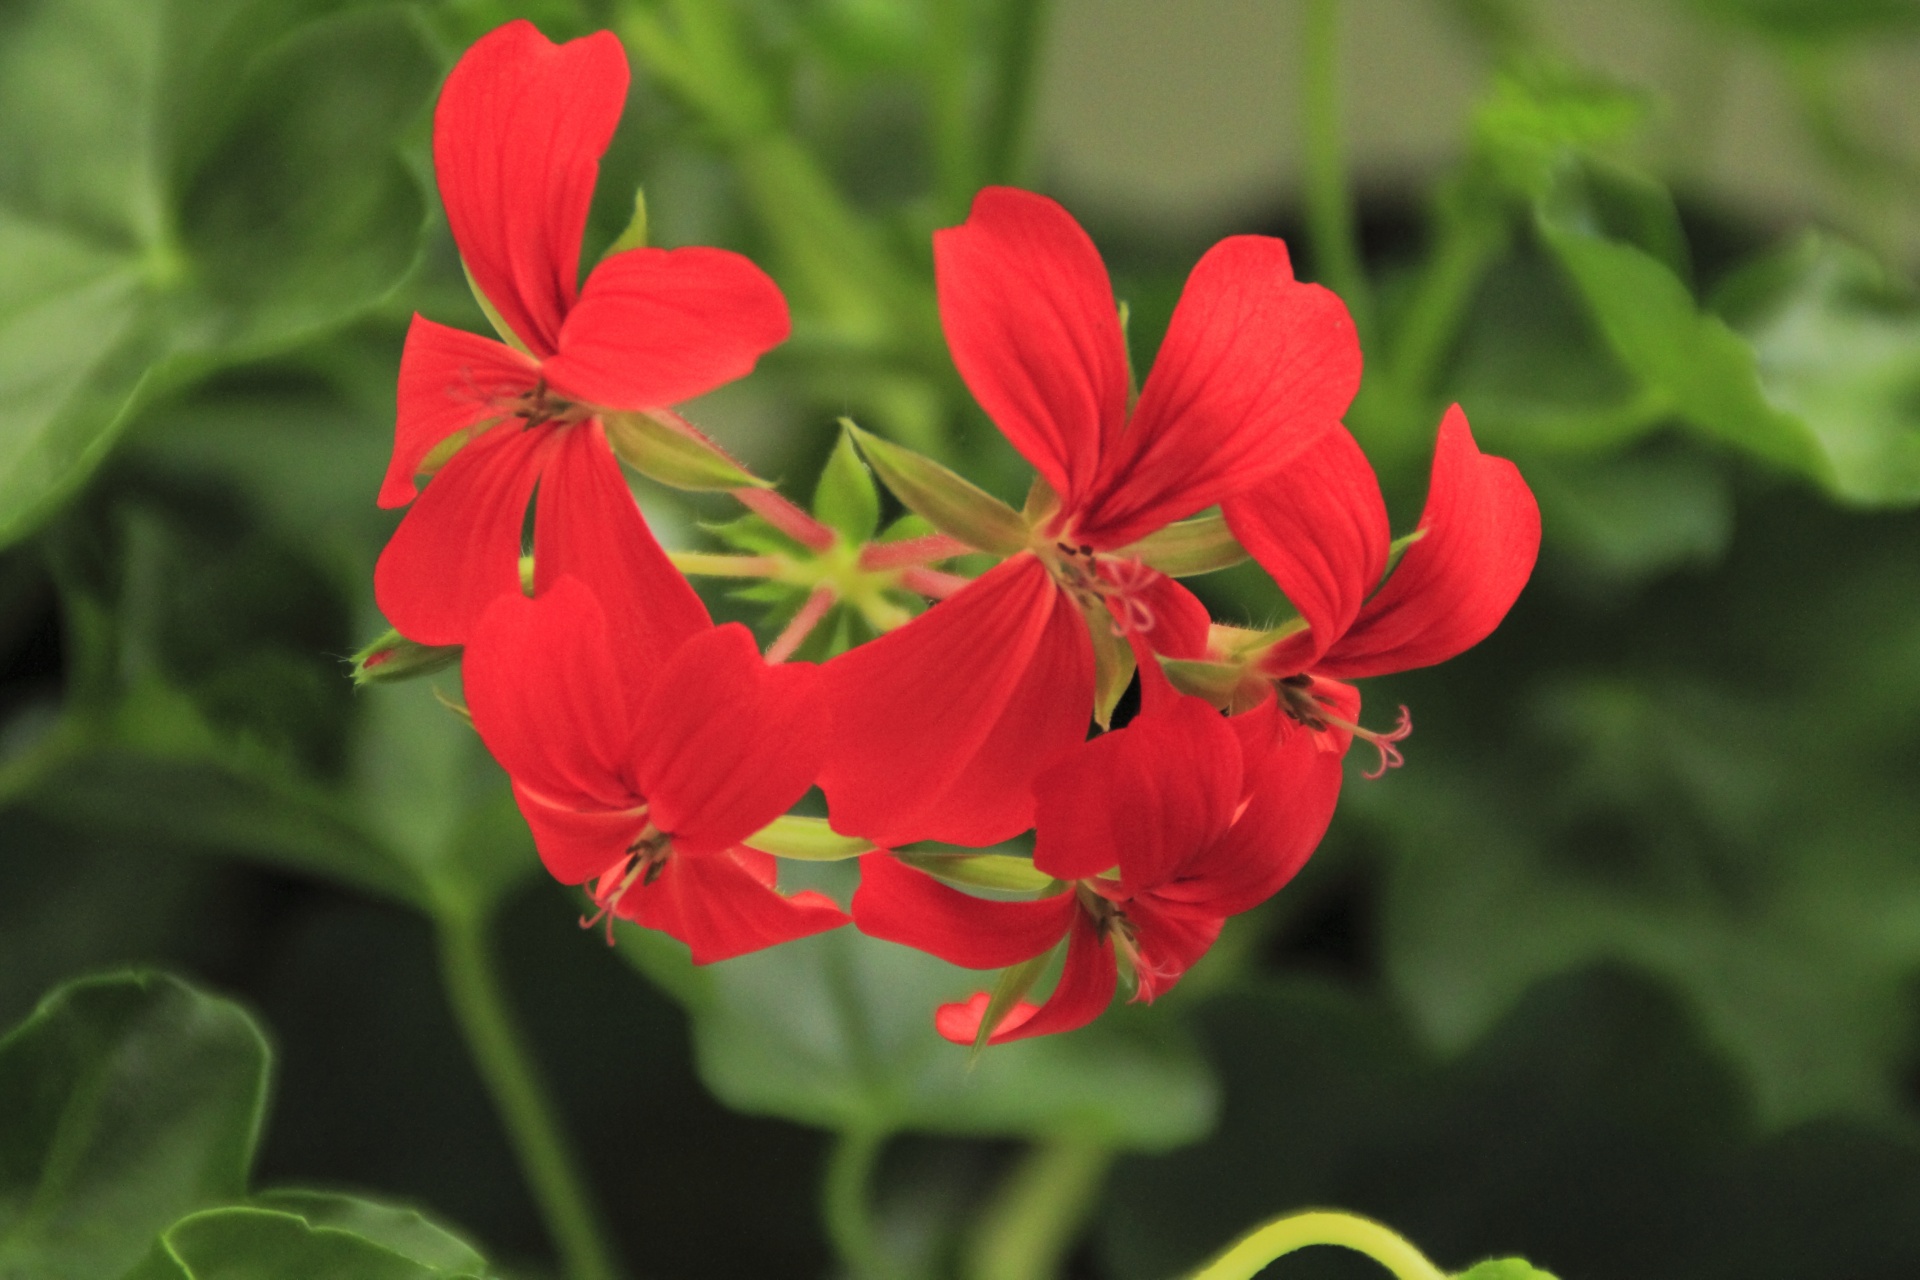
(1248,1256)
(1038,1211)
(533,1128)
(1330,219)
(846,1202)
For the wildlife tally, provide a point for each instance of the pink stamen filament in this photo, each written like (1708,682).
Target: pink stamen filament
(1390,757)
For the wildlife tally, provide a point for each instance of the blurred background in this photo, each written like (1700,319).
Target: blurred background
(1619,972)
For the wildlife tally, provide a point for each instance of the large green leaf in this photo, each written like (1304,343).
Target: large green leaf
(186,182)
(245,1243)
(837,1031)
(125,1102)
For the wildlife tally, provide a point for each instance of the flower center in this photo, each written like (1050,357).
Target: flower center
(538,406)
(1305,705)
(642,863)
(1104,583)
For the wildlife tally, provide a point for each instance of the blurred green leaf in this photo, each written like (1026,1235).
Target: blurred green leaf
(1838,344)
(173,198)
(1631,518)
(129,1100)
(244,1243)
(1815,19)
(405,1231)
(1504,1269)
(837,1031)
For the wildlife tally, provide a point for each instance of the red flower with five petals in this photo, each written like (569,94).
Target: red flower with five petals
(1204,816)
(518,135)
(942,725)
(643,771)
(1320,529)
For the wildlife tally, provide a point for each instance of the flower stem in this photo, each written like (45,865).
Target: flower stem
(546,1158)
(1330,219)
(845,1202)
(1038,1211)
(1252,1252)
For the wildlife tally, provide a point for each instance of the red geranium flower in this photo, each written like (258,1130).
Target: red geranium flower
(942,725)
(1204,816)
(642,770)
(517,140)
(1320,528)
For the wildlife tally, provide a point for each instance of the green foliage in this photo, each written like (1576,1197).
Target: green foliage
(129,1101)
(837,1031)
(310,1238)
(1504,1269)
(185,185)
(846,497)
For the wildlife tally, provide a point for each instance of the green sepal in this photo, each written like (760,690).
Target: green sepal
(752,534)
(1504,1269)
(979,870)
(1396,549)
(1217,682)
(492,313)
(678,457)
(393,657)
(806,839)
(1113,663)
(635,235)
(1008,992)
(846,498)
(1188,547)
(955,506)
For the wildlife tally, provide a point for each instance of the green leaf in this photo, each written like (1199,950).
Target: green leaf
(1838,346)
(404,1231)
(1816,20)
(845,497)
(953,505)
(264,1244)
(129,1100)
(173,198)
(1504,1269)
(837,1031)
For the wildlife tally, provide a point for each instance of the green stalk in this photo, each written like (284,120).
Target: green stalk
(1330,221)
(846,1206)
(499,1050)
(1038,1211)
(1251,1254)
(1023,24)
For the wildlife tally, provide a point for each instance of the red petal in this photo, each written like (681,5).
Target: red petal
(940,727)
(550,699)
(721,905)
(1255,366)
(727,743)
(449,380)
(1034,330)
(899,904)
(960,1022)
(587,526)
(1293,784)
(458,547)
(654,327)
(1168,941)
(578,844)
(1083,993)
(1148,797)
(1320,529)
(517,139)
(1452,587)
(1180,621)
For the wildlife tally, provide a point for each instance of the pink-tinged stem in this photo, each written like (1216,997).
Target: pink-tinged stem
(932,582)
(787,518)
(818,602)
(911,551)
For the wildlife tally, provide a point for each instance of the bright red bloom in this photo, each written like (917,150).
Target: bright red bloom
(1203,815)
(942,725)
(517,140)
(643,770)
(1320,528)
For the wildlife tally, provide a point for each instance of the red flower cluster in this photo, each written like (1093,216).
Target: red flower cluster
(649,749)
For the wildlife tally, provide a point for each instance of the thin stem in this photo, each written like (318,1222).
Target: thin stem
(846,1205)
(1023,25)
(1247,1257)
(1038,1211)
(498,1046)
(1330,220)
